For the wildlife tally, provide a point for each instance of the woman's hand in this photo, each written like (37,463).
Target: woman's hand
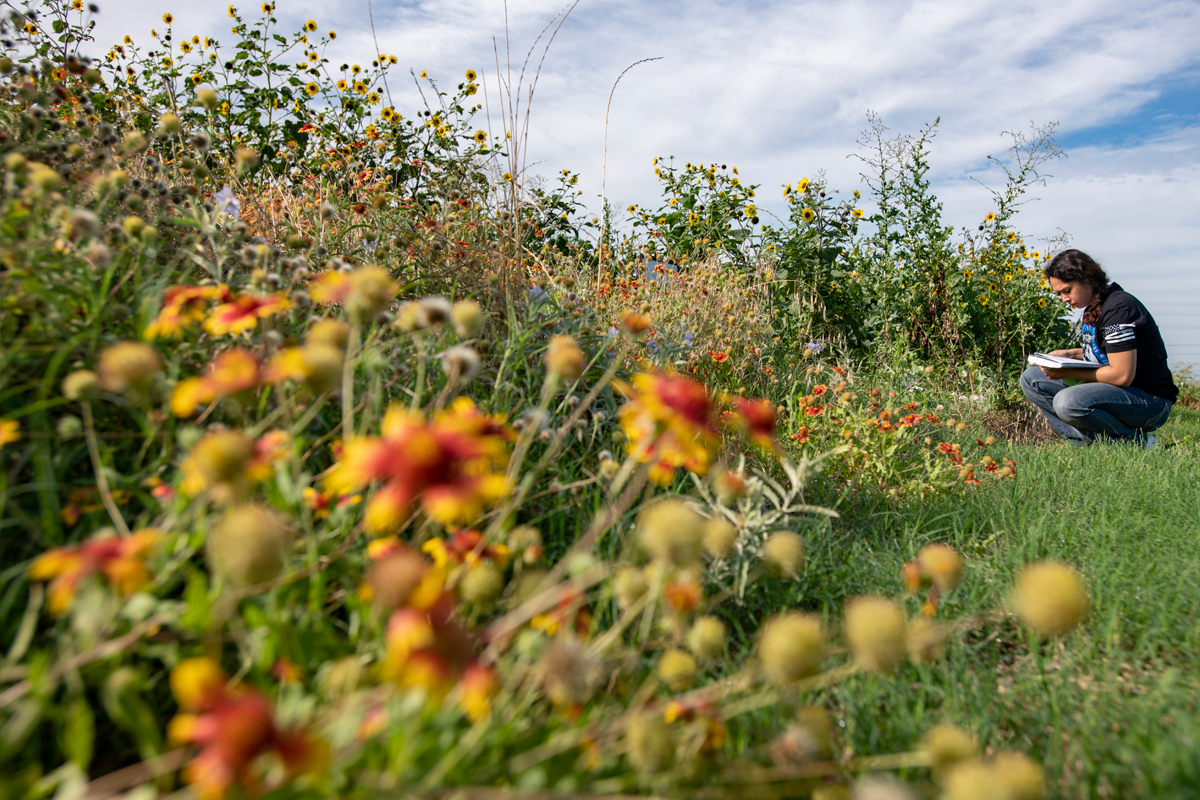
(1055,374)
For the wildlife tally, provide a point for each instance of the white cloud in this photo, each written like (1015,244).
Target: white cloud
(781,89)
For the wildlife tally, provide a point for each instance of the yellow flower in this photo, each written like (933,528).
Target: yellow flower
(313,56)
(341,85)
(360,87)
(857,213)
(232,13)
(10,431)
(311,88)
(167,18)
(471,75)
(77,5)
(990,217)
(424,73)
(356,69)
(802,185)
(310,26)
(481,137)
(808,214)
(333,34)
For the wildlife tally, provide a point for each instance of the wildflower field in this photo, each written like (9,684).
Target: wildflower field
(339,457)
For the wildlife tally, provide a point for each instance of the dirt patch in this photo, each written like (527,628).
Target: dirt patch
(1020,424)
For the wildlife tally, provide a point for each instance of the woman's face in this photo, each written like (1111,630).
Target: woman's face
(1073,293)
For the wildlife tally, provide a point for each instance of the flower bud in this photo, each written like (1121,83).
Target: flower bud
(1050,598)
(925,640)
(792,647)
(564,359)
(133,226)
(973,780)
(128,365)
(481,584)
(1020,775)
(875,631)
(468,319)
(170,123)
(784,554)
(393,579)
(330,332)
(196,682)
(677,669)
(207,98)
(948,745)
(670,532)
(80,383)
(45,178)
(649,746)
(134,142)
(461,362)
(719,537)
(629,585)
(248,546)
(245,158)
(940,564)
(707,638)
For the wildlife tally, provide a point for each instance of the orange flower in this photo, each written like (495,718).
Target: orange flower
(756,418)
(814,411)
(243,312)
(669,422)
(465,547)
(227,464)
(449,465)
(183,305)
(233,371)
(476,689)
(719,356)
(819,390)
(948,448)
(322,503)
(235,728)
(427,650)
(366,290)
(802,434)
(120,560)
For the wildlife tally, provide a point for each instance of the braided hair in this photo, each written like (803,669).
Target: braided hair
(1076,266)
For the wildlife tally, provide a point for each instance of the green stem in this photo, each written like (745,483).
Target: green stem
(348,383)
(89,430)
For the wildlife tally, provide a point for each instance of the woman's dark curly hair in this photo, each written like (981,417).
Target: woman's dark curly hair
(1076,266)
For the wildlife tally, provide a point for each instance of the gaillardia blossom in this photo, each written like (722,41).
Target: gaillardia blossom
(669,422)
(449,465)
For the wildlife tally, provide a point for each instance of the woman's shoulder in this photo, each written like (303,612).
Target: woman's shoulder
(1120,306)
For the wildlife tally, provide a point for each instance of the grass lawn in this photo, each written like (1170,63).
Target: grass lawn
(1112,709)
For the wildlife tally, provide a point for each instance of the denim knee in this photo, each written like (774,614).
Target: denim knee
(1029,378)
(1065,408)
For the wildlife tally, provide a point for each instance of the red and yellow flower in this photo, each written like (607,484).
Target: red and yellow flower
(668,420)
(122,561)
(233,727)
(183,306)
(243,312)
(233,371)
(450,466)
(756,419)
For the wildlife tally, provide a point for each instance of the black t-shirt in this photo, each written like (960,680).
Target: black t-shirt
(1126,325)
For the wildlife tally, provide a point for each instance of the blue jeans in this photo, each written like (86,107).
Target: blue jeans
(1082,412)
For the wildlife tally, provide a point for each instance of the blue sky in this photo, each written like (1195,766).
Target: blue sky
(782,89)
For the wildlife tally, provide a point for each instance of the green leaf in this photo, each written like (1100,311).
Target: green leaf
(79,733)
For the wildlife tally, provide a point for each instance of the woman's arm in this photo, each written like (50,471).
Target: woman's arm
(1076,352)
(1119,372)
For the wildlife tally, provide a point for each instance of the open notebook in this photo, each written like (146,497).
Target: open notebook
(1058,362)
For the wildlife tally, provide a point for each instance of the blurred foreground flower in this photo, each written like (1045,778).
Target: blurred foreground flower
(120,560)
(233,730)
(243,312)
(183,306)
(669,423)
(10,431)
(450,465)
(233,371)
(226,463)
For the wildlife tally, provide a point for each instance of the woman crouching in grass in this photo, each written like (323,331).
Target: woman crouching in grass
(1131,393)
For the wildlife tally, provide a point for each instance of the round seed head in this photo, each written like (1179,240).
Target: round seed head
(875,631)
(1050,598)
(670,531)
(792,647)
(677,669)
(707,638)
(784,553)
(719,537)
(948,745)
